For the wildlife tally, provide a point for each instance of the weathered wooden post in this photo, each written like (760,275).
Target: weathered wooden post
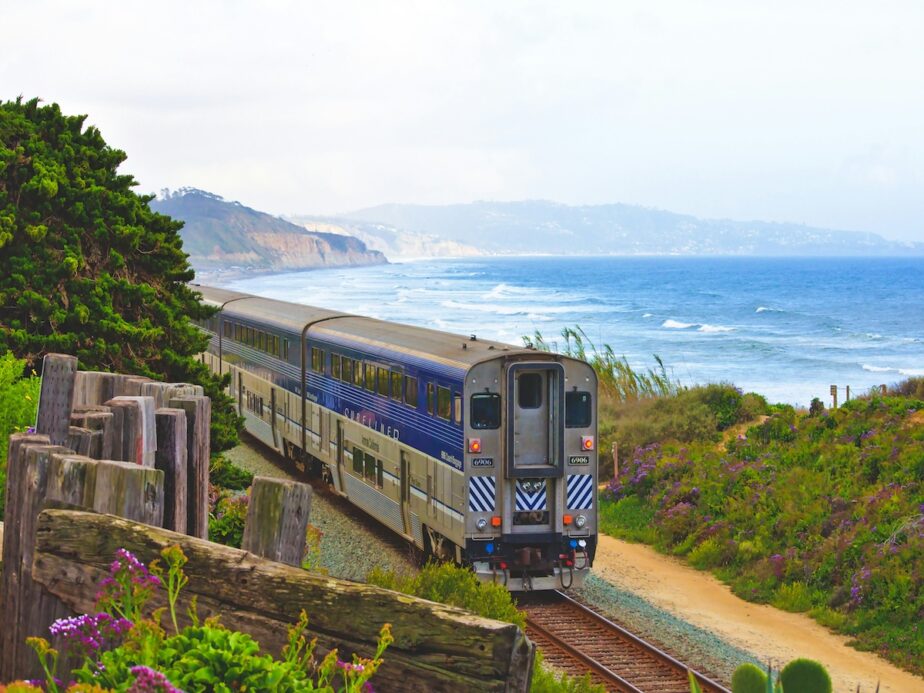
(171,459)
(134,418)
(847,397)
(198,415)
(834,396)
(131,491)
(277,519)
(883,390)
(21,599)
(59,372)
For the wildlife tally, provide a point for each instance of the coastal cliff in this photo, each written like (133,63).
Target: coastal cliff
(219,234)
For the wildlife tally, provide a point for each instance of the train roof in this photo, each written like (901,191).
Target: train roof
(382,336)
(282,314)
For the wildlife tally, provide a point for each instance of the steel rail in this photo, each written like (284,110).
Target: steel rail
(679,668)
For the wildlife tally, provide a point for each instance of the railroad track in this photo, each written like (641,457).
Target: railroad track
(578,640)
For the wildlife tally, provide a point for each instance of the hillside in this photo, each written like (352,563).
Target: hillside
(393,242)
(222,234)
(538,226)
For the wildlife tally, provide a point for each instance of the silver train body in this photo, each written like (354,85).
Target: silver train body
(475,451)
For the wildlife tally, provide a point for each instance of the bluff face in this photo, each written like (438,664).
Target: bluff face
(219,235)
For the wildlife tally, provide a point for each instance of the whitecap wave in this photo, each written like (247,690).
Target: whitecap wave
(911,372)
(712,329)
(648,315)
(504,290)
(765,309)
(677,325)
(877,369)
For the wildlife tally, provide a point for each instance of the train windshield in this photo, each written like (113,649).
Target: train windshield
(486,410)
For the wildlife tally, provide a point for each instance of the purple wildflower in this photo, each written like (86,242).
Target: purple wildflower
(87,634)
(350,666)
(149,680)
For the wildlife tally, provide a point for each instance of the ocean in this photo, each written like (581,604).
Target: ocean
(787,328)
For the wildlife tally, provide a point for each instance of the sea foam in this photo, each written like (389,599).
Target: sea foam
(677,325)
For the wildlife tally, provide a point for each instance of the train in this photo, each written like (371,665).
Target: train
(475,451)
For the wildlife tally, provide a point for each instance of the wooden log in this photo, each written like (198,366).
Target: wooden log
(129,490)
(78,439)
(26,612)
(198,417)
(12,545)
(135,416)
(436,648)
(59,372)
(171,460)
(277,519)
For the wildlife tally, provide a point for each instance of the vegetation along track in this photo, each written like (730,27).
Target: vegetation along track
(577,640)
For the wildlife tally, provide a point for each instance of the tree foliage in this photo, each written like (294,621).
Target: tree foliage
(86,268)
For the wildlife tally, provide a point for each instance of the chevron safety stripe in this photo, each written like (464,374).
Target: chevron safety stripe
(481,494)
(531,501)
(580,491)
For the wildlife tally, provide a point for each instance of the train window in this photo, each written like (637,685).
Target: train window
(317,360)
(358,461)
(410,391)
(379,474)
(335,366)
(485,412)
(250,336)
(457,408)
(370,376)
(370,467)
(285,349)
(578,412)
(261,341)
(383,381)
(346,369)
(529,390)
(431,399)
(443,403)
(396,385)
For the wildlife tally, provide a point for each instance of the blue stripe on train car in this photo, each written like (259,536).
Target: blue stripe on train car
(482,494)
(580,491)
(530,501)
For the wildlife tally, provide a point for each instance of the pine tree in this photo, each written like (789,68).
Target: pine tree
(86,268)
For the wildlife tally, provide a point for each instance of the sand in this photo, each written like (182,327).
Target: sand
(699,598)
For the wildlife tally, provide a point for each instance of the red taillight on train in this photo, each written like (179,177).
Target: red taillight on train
(587,442)
(474,445)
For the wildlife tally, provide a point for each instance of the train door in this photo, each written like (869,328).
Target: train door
(273,417)
(535,446)
(405,493)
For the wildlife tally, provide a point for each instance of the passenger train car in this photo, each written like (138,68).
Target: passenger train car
(473,450)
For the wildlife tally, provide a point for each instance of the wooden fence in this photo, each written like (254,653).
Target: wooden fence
(135,453)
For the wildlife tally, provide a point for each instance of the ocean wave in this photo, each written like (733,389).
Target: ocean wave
(503,290)
(712,329)
(765,309)
(648,315)
(878,369)
(911,372)
(677,325)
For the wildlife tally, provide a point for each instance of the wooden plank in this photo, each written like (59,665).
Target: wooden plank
(129,490)
(277,519)
(71,481)
(198,417)
(436,648)
(78,439)
(134,416)
(171,460)
(59,372)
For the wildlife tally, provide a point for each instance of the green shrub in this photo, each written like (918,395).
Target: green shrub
(795,596)
(547,681)
(749,678)
(628,518)
(226,522)
(19,397)
(805,676)
(708,554)
(224,473)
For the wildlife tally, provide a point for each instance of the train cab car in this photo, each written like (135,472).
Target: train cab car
(476,451)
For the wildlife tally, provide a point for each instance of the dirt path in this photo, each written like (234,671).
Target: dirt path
(702,600)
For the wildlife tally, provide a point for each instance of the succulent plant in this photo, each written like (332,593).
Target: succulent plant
(805,676)
(749,678)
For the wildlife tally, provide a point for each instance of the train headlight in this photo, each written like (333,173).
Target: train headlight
(587,443)
(580,521)
(481,524)
(474,446)
(532,486)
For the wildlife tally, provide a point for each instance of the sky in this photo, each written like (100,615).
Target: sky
(801,111)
